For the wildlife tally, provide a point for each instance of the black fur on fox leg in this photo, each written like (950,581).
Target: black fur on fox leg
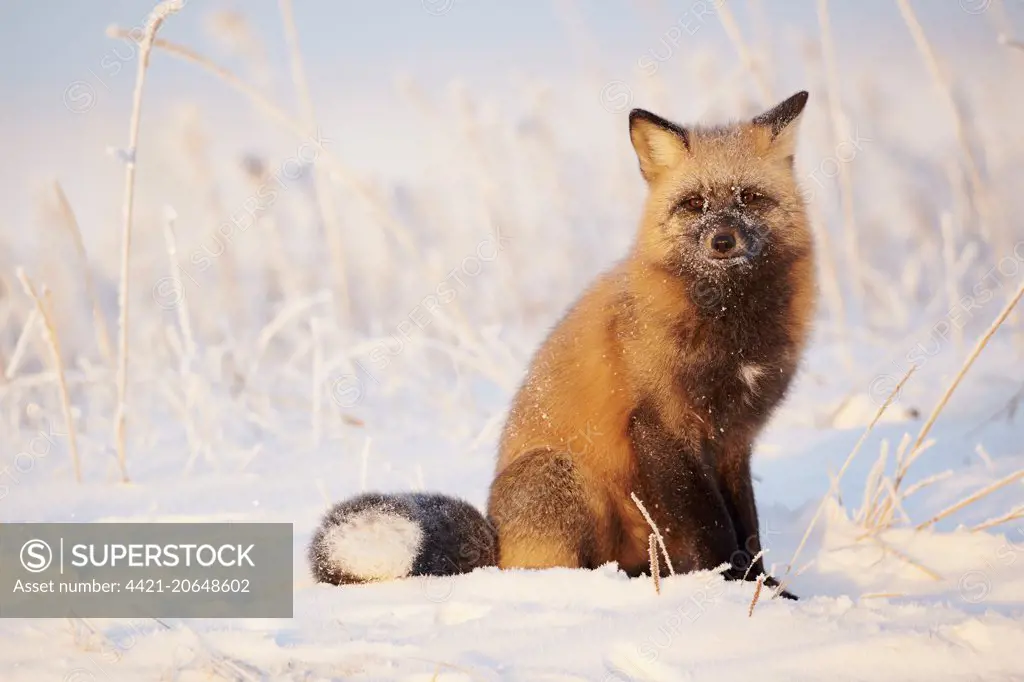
(732,464)
(376,536)
(682,496)
(702,518)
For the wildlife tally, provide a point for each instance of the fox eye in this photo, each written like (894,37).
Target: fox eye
(749,196)
(694,203)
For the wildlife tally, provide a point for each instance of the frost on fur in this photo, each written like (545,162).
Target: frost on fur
(373,545)
(376,537)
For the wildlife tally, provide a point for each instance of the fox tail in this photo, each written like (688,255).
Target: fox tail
(375,537)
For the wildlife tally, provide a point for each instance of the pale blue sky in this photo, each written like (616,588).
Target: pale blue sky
(47,44)
(356,50)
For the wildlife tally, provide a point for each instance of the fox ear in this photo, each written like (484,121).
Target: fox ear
(659,144)
(778,119)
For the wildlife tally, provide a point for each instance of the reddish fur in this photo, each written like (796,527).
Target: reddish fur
(637,338)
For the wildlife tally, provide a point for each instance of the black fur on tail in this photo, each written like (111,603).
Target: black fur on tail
(377,536)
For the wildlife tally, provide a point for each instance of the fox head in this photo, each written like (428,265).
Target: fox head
(723,203)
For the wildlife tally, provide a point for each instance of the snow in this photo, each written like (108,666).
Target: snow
(483,211)
(395,538)
(934,604)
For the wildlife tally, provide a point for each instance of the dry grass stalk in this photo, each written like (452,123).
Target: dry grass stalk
(652,555)
(831,287)
(890,494)
(657,533)
(283,282)
(882,595)
(195,147)
(153,23)
(316,332)
(44,306)
(186,348)
(184,319)
(752,562)
(803,569)
(924,483)
(780,588)
(352,421)
(873,486)
(842,470)
(881,515)
(949,263)
(71,223)
(975,352)
(840,133)
(376,204)
(910,562)
(970,499)
(1012,515)
(901,451)
(945,86)
(444,665)
(324,197)
(732,30)
(985,457)
(292,311)
(255,96)
(3,323)
(894,505)
(8,311)
(21,345)
(757,595)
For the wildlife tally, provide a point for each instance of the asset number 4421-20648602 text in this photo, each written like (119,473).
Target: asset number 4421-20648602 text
(187,585)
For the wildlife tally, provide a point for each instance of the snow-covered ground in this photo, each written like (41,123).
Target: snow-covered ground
(945,603)
(256,394)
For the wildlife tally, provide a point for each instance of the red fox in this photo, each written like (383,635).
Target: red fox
(656,382)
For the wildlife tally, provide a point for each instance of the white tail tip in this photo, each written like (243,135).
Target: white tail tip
(373,545)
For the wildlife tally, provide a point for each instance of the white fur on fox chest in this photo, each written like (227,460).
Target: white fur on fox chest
(751,375)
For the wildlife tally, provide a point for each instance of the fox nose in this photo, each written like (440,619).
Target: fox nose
(724,243)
